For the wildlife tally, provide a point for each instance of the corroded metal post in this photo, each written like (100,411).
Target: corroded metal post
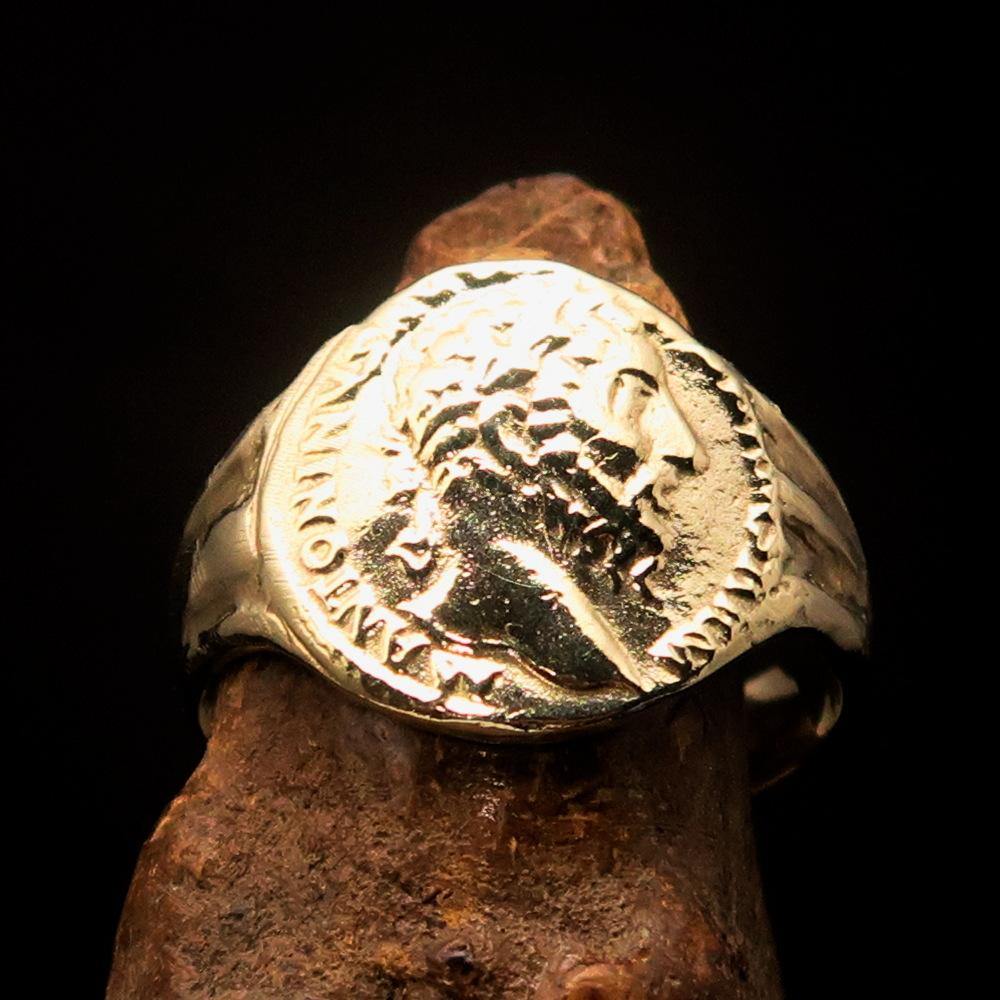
(325,850)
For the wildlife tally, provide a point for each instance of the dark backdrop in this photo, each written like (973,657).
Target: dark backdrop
(205,207)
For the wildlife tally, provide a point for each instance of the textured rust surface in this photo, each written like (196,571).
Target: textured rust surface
(556,217)
(323,850)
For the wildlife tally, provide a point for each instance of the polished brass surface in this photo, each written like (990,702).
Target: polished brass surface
(519,500)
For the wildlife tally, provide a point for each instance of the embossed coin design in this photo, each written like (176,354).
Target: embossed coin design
(518,500)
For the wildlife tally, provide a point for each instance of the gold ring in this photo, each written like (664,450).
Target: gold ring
(517,501)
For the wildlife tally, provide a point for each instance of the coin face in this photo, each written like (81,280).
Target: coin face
(517,496)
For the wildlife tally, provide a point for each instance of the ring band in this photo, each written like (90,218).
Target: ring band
(517,501)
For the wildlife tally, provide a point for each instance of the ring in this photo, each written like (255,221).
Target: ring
(518,501)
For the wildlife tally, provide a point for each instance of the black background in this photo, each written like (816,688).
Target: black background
(206,205)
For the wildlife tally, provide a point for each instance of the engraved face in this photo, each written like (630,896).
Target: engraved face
(519,494)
